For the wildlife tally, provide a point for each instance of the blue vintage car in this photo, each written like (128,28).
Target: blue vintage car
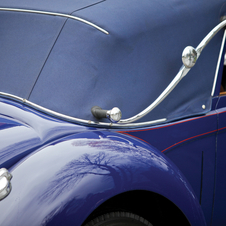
(112,112)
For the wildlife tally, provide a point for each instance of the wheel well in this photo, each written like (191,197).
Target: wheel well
(151,206)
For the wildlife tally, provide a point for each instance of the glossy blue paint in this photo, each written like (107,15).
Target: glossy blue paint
(62,172)
(65,181)
(24,130)
(220,185)
(191,145)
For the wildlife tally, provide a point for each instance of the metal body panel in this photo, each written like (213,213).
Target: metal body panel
(220,186)
(191,145)
(66,180)
(23,130)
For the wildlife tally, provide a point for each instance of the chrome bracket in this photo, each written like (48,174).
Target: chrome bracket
(5,185)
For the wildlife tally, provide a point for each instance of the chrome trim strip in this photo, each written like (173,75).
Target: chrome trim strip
(56,14)
(182,72)
(218,63)
(77,120)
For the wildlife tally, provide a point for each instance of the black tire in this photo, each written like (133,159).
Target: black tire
(119,219)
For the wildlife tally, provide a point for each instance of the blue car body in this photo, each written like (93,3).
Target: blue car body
(59,60)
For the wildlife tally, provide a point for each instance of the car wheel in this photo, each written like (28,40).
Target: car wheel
(119,219)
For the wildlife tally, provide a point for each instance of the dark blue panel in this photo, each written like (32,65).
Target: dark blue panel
(219,217)
(183,131)
(25,42)
(221,103)
(191,145)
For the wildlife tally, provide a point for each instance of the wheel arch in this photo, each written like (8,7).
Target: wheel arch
(159,211)
(51,180)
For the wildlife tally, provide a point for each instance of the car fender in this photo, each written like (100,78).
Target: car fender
(65,181)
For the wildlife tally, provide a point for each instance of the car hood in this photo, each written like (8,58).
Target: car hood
(23,131)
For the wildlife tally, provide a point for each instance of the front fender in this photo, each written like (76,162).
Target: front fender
(62,183)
